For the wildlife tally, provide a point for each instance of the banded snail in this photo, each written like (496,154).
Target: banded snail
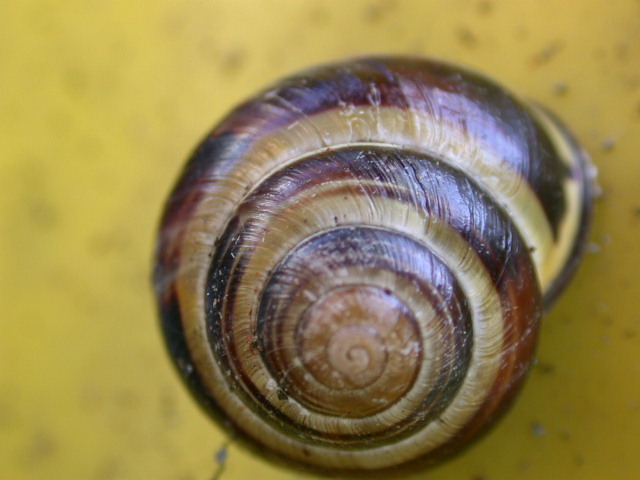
(352,268)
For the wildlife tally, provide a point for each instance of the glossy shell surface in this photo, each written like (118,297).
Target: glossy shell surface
(353,265)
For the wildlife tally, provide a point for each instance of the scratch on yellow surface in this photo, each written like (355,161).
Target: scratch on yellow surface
(100,103)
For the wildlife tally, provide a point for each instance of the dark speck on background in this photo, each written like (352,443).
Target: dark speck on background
(485,7)
(110,469)
(233,60)
(42,212)
(222,454)
(622,50)
(221,458)
(319,16)
(39,209)
(545,368)
(607,144)
(547,53)
(560,88)
(40,447)
(466,37)
(538,430)
(376,11)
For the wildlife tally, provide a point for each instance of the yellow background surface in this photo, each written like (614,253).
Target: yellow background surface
(101,102)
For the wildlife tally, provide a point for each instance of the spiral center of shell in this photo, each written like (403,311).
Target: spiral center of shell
(349,343)
(346,337)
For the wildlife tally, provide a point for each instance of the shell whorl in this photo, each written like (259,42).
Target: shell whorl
(353,265)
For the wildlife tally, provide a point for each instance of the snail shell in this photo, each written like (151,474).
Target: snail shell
(353,265)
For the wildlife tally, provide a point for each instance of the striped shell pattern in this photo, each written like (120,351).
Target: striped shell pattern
(352,267)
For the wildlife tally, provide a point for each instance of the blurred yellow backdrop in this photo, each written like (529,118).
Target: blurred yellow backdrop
(100,103)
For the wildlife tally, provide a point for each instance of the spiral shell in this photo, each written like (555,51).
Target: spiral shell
(352,267)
